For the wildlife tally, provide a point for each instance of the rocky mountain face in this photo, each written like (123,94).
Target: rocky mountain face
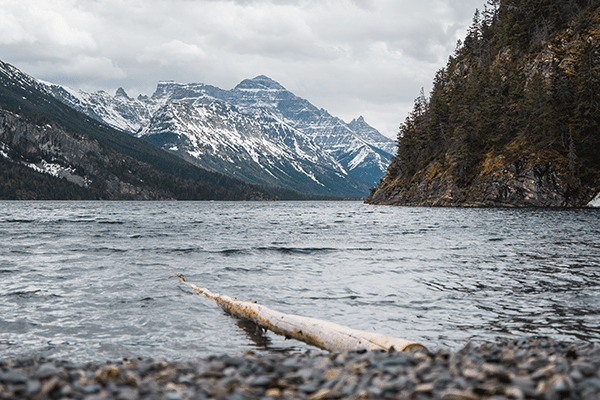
(258,131)
(76,159)
(123,113)
(220,138)
(50,151)
(512,120)
(499,185)
(361,150)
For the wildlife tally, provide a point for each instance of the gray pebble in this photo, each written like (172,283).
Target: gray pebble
(12,377)
(46,371)
(33,387)
(309,387)
(265,380)
(173,396)
(527,368)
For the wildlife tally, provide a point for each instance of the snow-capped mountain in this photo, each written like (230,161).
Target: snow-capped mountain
(48,150)
(361,150)
(258,131)
(219,137)
(119,111)
(372,135)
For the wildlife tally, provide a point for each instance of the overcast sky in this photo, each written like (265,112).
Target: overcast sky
(351,57)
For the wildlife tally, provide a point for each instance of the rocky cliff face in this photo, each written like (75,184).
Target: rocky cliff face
(74,157)
(218,137)
(510,185)
(360,149)
(119,111)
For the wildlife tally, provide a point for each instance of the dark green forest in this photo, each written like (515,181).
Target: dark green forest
(522,90)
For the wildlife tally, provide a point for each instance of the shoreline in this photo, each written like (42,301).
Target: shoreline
(536,368)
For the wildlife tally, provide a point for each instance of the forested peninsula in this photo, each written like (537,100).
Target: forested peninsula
(512,119)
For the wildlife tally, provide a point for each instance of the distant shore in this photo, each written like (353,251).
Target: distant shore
(520,369)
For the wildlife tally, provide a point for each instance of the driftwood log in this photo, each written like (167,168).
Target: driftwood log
(325,335)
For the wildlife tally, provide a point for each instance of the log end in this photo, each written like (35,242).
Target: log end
(411,346)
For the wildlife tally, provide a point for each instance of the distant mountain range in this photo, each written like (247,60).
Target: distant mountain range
(258,132)
(49,150)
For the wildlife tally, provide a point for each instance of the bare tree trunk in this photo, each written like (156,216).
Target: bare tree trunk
(325,335)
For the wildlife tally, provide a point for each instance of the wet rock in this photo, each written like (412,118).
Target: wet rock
(33,387)
(12,377)
(46,371)
(523,369)
(458,394)
(262,381)
(309,387)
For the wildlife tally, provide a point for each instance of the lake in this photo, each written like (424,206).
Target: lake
(89,281)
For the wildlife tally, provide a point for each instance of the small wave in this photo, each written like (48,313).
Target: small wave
(111,222)
(73,221)
(103,249)
(19,221)
(232,252)
(7,271)
(186,250)
(22,294)
(240,269)
(297,250)
(20,252)
(328,298)
(170,250)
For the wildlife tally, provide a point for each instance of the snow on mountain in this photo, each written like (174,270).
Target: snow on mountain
(17,78)
(119,111)
(362,150)
(219,137)
(258,131)
(372,135)
(595,202)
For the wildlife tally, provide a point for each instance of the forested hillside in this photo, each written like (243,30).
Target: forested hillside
(513,119)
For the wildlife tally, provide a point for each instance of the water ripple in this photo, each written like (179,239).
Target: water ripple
(87,280)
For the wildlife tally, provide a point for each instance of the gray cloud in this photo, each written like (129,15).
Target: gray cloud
(352,57)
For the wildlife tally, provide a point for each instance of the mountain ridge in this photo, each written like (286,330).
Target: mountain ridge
(69,155)
(348,164)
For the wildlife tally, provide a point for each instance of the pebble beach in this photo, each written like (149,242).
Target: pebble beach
(539,368)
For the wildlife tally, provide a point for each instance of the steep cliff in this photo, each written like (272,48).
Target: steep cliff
(514,117)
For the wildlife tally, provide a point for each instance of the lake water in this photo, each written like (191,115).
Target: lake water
(87,280)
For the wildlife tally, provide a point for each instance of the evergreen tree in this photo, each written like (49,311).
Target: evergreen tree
(524,87)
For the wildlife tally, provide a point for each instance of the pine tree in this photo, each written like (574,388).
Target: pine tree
(524,85)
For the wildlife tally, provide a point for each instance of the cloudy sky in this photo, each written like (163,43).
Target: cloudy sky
(351,57)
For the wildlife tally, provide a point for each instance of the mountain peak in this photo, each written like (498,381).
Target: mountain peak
(121,93)
(359,120)
(261,82)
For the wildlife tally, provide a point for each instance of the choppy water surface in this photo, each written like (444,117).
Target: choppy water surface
(86,280)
